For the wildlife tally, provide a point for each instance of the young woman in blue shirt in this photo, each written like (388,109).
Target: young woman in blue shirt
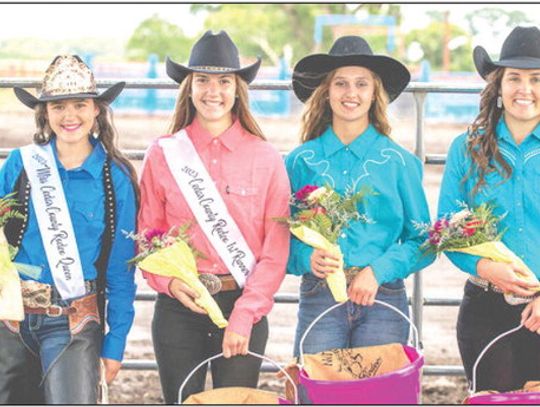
(53,355)
(346,144)
(498,161)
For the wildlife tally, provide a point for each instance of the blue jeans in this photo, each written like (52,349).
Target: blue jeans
(350,325)
(68,364)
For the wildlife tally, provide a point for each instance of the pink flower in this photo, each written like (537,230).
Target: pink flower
(434,238)
(440,224)
(304,192)
(152,233)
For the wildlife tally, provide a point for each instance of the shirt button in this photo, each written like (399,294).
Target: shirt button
(520,229)
(518,204)
(345,172)
(346,148)
(214,265)
(343,235)
(243,192)
(214,161)
(215,141)
(91,214)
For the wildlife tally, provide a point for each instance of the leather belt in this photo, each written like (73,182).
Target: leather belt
(216,283)
(52,311)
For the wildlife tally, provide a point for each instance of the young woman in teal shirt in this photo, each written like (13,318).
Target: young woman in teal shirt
(346,145)
(498,161)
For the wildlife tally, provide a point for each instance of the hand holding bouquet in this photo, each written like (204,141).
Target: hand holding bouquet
(319,217)
(11,304)
(169,254)
(474,231)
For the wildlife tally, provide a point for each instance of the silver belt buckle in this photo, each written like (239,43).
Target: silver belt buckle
(211,282)
(57,311)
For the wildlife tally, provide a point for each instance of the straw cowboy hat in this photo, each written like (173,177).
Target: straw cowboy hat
(521,50)
(351,50)
(68,77)
(213,53)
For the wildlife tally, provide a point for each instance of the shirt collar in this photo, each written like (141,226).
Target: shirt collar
(332,144)
(503,132)
(93,163)
(202,138)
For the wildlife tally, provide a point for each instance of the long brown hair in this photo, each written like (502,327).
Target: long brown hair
(482,141)
(184,111)
(317,114)
(103,128)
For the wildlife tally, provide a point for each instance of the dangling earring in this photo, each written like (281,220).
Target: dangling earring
(95,132)
(499,102)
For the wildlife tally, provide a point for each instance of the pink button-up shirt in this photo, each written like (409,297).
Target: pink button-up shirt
(251,177)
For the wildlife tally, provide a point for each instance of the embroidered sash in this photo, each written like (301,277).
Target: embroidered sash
(54,220)
(207,205)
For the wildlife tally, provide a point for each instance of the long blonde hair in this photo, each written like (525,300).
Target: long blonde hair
(103,128)
(317,114)
(482,142)
(184,111)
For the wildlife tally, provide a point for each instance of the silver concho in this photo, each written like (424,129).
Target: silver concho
(211,282)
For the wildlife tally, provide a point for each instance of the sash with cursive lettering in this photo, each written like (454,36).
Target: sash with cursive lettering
(53,219)
(207,205)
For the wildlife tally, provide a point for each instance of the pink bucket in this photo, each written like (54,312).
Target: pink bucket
(281,400)
(399,387)
(500,398)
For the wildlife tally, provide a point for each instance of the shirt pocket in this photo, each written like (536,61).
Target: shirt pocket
(242,197)
(87,218)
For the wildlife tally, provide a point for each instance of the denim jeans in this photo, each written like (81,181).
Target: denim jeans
(510,362)
(67,365)
(182,339)
(350,325)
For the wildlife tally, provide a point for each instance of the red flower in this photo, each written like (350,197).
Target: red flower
(152,233)
(440,225)
(469,231)
(304,192)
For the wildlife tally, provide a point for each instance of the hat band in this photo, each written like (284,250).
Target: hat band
(213,68)
(68,91)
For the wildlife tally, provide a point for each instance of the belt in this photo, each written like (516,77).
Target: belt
(80,304)
(216,283)
(486,285)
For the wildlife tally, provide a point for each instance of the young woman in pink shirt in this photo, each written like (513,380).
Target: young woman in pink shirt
(212,115)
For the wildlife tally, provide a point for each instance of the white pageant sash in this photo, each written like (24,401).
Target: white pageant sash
(53,219)
(207,205)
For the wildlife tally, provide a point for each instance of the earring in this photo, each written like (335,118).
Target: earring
(499,102)
(95,132)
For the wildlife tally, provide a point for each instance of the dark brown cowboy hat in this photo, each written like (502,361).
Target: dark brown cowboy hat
(351,50)
(213,53)
(521,50)
(68,77)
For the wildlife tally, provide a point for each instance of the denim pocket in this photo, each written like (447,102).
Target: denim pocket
(311,285)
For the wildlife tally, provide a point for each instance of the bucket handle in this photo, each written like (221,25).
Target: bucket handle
(249,353)
(415,330)
(481,355)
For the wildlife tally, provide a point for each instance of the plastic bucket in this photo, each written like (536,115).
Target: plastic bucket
(499,398)
(402,386)
(281,400)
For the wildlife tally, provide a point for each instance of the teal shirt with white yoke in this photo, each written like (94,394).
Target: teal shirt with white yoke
(390,243)
(517,196)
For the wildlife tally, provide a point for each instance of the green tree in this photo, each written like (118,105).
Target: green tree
(495,20)
(158,36)
(266,29)
(431,40)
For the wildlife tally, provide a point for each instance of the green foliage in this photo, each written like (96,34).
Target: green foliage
(494,19)
(7,211)
(265,29)
(157,36)
(431,39)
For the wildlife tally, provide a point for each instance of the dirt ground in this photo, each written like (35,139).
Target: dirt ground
(440,280)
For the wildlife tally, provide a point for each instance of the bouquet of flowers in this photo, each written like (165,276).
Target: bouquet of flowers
(474,231)
(319,216)
(169,254)
(11,304)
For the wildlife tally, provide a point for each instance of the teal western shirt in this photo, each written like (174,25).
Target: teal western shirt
(390,245)
(516,196)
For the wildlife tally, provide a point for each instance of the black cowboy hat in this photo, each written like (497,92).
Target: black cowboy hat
(68,77)
(213,53)
(351,50)
(521,50)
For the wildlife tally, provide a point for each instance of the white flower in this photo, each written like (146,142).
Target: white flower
(459,216)
(318,194)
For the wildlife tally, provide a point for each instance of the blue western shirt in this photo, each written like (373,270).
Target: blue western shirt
(390,245)
(83,188)
(516,196)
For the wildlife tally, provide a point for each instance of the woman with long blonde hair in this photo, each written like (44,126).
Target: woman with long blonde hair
(497,161)
(346,144)
(212,119)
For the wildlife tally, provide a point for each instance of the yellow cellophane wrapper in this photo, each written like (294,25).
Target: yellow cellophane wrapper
(177,261)
(11,303)
(336,281)
(498,251)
